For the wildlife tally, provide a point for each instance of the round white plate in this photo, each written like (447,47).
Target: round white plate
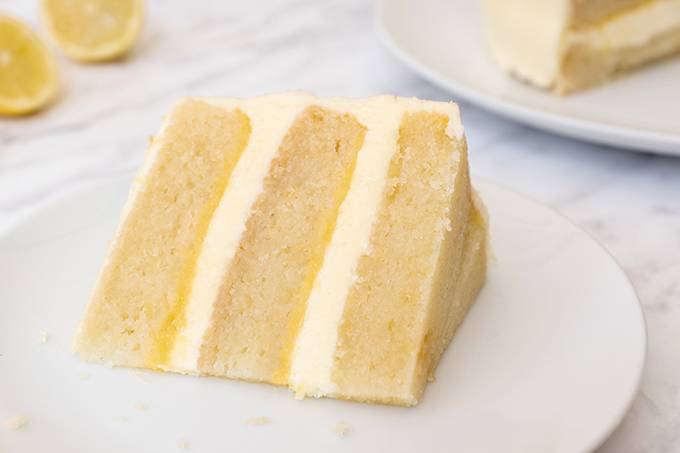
(548,360)
(443,41)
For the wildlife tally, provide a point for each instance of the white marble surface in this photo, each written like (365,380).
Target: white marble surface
(101,123)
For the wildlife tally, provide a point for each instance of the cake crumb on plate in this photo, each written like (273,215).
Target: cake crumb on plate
(17,422)
(258,421)
(342,429)
(143,376)
(44,337)
(141,407)
(183,444)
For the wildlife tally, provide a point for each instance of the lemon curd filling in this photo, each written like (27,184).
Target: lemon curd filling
(283,373)
(164,338)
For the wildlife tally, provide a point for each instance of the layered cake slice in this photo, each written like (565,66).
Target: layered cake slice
(329,245)
(569,45)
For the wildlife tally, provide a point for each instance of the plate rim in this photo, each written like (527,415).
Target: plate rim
(630,139)
(479,182)
(637,387)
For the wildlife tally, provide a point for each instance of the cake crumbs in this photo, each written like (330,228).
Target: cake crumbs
(258,421)
(342,429)
(17,422)
(299,395)
(44,337)
(141,407)
(143,377)
(183,444)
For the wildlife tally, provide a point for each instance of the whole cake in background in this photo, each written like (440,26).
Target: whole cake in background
(569,45)
(326,244)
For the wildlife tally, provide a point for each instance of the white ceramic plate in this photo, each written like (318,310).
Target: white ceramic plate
(443,41)
(548,359)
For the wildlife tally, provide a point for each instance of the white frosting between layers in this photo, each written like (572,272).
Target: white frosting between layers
(527,37)
(271,117)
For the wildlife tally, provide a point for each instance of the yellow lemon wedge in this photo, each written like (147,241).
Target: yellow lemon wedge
(93,30)
(28,72)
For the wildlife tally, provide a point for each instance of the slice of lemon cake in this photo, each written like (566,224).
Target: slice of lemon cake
(568,45)
(326,244)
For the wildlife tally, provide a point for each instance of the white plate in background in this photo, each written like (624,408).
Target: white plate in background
(443,41)
(548,360)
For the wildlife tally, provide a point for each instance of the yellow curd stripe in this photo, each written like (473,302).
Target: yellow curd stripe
(176,319)
(315,265)
(164,338)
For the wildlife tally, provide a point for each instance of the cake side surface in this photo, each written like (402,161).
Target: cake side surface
(454,289)
(439,297)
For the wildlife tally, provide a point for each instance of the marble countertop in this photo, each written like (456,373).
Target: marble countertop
(99,127)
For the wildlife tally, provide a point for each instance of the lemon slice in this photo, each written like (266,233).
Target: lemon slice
(93,30)
(28,72)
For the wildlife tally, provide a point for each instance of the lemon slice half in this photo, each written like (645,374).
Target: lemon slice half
(93,30)
(28,71)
